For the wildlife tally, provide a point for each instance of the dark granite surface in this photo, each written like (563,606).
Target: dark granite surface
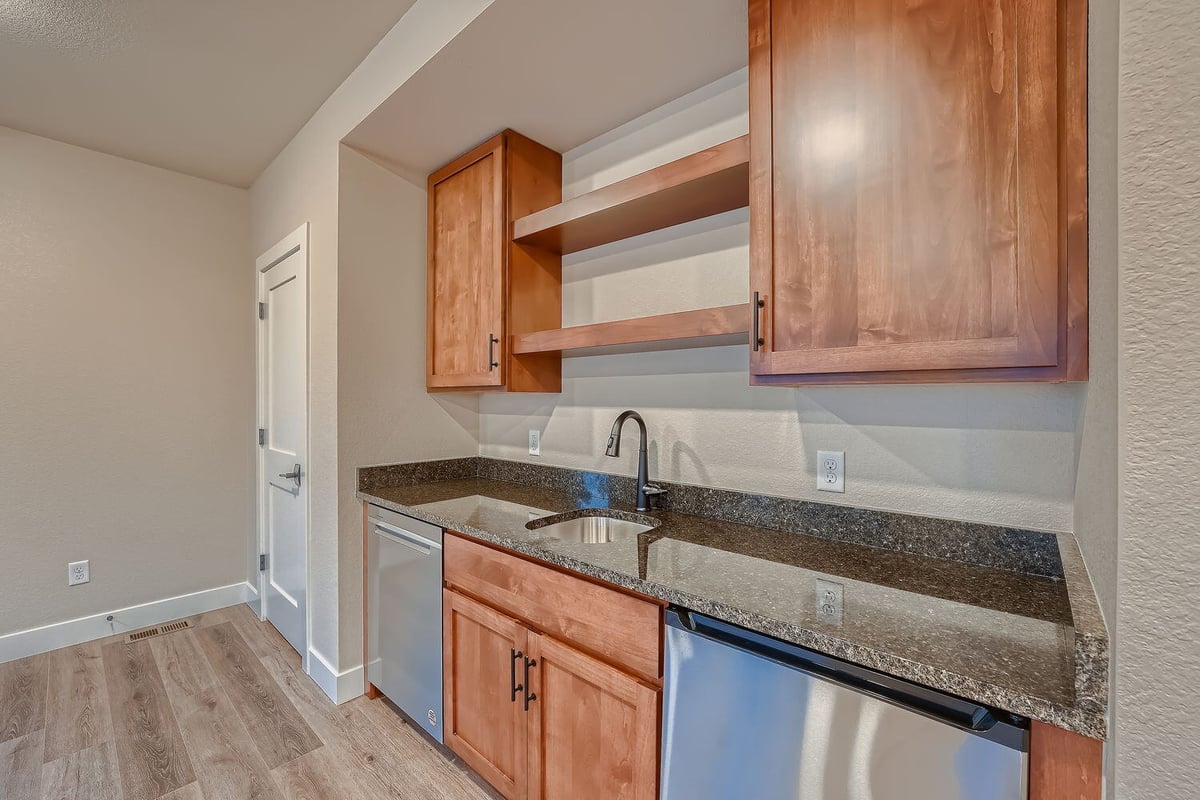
(1032,552)
(998,632)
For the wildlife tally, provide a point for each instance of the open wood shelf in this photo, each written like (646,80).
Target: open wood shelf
(706,327)
(696,186)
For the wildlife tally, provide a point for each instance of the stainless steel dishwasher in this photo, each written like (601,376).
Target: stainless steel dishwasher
(404,631)
(748,716)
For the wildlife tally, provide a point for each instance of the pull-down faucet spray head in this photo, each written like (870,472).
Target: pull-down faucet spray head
(614,437)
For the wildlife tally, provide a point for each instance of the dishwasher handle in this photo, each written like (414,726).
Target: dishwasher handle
(996,726)
(409,539)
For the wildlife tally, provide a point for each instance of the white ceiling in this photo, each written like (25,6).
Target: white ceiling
(559,71)
(212,88)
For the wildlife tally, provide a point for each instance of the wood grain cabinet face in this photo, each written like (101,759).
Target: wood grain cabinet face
(593,729)
(466,273)
(912,187)
(482,288)
(577,724)
(485,719)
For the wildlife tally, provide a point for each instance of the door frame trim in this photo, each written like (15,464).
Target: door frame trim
(294,242)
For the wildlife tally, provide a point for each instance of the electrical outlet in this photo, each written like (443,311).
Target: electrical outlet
(831,470)
(78,572)
(829,602)
(535,443)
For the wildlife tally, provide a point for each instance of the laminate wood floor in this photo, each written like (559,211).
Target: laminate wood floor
(218,711)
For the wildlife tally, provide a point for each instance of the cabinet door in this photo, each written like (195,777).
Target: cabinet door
(905,185)
(467,245)
(485,717)
(593,730)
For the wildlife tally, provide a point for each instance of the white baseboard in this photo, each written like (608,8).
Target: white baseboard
(85,629)
(339,686)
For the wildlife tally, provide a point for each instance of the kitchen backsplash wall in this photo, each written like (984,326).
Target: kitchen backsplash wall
(1003,454)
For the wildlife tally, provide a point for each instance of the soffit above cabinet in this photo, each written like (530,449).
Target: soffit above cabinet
(560,71)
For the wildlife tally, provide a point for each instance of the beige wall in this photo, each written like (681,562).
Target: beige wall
(1096,485)
(1096,488)
(384,413)
(1158,573)
(300,186)
(126,382)
(1003,454)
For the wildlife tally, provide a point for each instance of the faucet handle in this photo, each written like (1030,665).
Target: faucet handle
(650,492)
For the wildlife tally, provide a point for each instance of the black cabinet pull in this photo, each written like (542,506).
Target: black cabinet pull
(530,663)
(492,342)
(512,675)
(756,310)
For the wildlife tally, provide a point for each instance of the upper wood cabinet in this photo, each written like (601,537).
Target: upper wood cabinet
(482,288)
(918,190)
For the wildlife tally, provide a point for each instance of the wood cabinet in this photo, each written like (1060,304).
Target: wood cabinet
(484,706)
(481,287)
(553,686)
(918,178)
(1064,765)
(593,729)
(611,624)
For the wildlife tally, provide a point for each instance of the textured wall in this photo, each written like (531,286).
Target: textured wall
(1003,454)
(384,413)
(1096,489)
(1096,486)
(1158,627)
(301,186)
(126,382)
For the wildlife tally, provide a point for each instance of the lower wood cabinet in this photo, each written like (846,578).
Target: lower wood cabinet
(538,717)
(485,720)
(593,730)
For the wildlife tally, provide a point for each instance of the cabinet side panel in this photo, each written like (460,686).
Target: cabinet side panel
(534,274)
(1063,765)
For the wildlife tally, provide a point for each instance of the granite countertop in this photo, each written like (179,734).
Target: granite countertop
(1031,644)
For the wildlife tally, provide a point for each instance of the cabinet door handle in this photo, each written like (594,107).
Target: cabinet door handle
(492,342)
(530,663)
(756,310)
(512,674)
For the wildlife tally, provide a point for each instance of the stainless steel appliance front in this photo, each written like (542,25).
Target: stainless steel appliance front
(404,635)
(747,716)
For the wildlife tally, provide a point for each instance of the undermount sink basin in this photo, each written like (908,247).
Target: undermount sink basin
(591,529)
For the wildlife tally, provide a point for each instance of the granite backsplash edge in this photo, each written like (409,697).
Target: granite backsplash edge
(1010,549)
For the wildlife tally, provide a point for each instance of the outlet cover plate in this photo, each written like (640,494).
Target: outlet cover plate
(535,443)
(78,572)
(831,470)
(829,602)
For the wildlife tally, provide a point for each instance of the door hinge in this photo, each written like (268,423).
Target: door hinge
(262,563)
(262,436)
(262,310)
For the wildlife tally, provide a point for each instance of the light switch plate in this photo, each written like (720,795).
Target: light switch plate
(831,470)
(535,443)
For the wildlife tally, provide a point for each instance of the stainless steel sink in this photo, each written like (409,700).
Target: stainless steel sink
(592,529)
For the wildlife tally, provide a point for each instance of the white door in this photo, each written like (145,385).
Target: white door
(283,421)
